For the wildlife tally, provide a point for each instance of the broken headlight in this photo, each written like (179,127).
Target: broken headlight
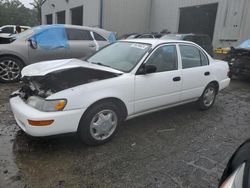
(46,105)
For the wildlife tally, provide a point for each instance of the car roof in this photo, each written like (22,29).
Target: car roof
(14,26)
(156,42)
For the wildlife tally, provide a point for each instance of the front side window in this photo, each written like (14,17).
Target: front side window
(192,57)
(78,34)
(164,59)
(123,56)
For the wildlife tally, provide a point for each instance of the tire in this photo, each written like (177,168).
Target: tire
(206,101)
(10,69)
(93,125)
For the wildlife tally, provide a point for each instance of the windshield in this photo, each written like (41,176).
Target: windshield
(123,56)
(245,44)
(25,35)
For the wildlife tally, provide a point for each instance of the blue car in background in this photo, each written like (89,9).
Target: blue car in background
(49,42)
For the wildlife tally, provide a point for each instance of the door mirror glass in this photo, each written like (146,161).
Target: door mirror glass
(33,44)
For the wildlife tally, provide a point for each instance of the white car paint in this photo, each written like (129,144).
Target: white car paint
(141,94)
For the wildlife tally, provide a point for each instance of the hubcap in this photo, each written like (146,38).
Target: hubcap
(103,124)
(209,96)
(9,70)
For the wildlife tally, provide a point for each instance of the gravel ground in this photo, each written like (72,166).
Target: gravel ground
(175,148)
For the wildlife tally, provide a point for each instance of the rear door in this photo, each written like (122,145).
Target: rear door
(196,71)
(81,43)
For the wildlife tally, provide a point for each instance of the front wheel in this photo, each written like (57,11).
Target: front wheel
(10,69)
(99,124)
(208,97)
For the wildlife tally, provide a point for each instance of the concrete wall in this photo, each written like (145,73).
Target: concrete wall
(232,22)
(127,16)
(91,10)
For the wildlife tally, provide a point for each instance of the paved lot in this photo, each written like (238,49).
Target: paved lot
(179,147)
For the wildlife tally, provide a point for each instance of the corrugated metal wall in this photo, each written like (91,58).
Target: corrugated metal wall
(127,16)
(231,22)
(91,10)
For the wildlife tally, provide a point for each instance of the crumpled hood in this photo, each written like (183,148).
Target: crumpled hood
(46,67)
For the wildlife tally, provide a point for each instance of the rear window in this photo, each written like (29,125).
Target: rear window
(78,34)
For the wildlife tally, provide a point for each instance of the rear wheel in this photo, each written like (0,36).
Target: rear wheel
(10,69)
(99,124)
(208,97)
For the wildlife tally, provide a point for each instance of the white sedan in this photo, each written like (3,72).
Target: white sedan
(124,80)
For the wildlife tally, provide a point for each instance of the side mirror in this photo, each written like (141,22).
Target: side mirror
(33,44)
(237,172)
(147,69)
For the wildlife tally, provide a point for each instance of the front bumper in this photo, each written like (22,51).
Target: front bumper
(64,121)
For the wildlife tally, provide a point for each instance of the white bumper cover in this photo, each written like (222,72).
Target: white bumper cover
(64,121)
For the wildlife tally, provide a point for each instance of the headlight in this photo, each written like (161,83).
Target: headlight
(47,105)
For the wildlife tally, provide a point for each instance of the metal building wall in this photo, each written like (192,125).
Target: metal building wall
(230,26)
(91,10)
(127,16)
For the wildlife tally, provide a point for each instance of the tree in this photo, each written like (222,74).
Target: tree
(37,4)
(13,12)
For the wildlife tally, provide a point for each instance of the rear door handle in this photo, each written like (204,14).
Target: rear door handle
(207,73)
(177,79)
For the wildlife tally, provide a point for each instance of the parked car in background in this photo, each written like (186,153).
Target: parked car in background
(201,39)
(9,31)
(49,42)
(239,60)
(123,80)
(144,35)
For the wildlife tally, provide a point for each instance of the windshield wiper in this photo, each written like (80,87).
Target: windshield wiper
(98,63)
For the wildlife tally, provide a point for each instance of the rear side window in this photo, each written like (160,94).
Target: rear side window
(78,34)
(192,57)
(99,37)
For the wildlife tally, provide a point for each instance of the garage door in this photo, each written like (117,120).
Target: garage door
(198,19)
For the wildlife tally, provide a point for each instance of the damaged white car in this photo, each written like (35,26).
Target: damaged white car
(122,81)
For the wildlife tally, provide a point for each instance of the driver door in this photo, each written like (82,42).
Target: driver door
(163,87)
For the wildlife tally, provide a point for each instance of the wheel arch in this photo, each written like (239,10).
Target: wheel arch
(15,56)
(114,100)
(216,84)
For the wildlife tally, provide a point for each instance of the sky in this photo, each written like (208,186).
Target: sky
(27,3)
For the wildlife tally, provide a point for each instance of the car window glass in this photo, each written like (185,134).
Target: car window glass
(188,38)
(206,40)
(7,30)
(78,34)
(145,36)
(164,58)
(99,37)
(125,55)
(204,59)
(190,56)
(198,40)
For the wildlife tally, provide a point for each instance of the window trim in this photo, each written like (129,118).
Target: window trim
(197,47)
(152,52)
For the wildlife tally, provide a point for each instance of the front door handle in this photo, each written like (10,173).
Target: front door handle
(177,79)
(207,73)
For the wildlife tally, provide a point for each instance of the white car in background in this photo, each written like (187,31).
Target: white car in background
(123,80)
(11,29)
